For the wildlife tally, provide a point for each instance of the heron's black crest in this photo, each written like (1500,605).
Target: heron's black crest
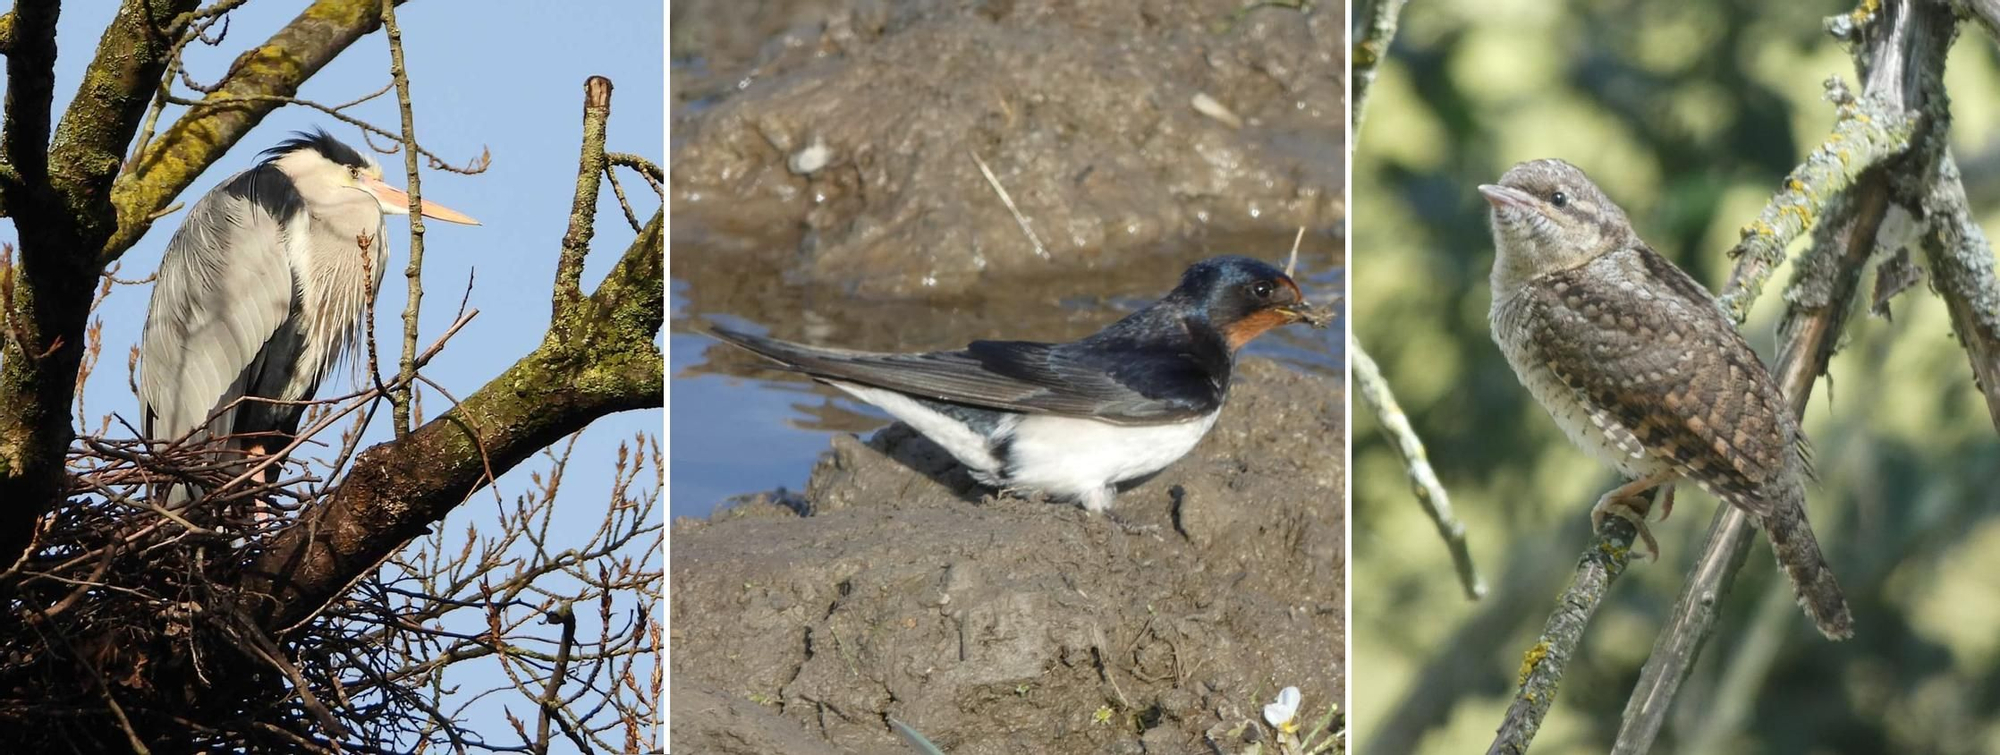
(323,143)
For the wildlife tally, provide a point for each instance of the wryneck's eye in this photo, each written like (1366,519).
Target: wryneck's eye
(1559,199)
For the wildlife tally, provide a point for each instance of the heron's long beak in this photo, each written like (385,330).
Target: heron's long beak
(397,201)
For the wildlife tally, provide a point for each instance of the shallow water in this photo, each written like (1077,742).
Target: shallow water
(741,428)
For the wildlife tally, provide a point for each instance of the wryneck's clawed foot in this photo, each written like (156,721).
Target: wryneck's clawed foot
(1629,503)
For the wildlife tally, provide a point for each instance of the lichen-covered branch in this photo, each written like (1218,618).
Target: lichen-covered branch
(597,358)
(88,147)
(583,211)
(1962,273)
(1865,132)
(31,84)
(57,198)
(1543,665)
(1423,480)
(1378,29)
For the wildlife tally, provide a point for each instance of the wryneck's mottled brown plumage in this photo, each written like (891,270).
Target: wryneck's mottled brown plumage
(1640,366)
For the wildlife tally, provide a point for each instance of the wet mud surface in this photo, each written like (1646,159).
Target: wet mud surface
(893,587)
(856,124)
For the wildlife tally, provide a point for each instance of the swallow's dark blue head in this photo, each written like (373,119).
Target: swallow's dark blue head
(1240,296)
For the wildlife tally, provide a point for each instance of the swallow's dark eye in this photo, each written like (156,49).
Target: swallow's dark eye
(1262,289)
(1559,199)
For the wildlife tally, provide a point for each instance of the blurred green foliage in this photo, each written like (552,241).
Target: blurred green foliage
(1688,114)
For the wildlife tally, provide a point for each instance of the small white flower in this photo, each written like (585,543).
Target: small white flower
(809,160)
(1281,713)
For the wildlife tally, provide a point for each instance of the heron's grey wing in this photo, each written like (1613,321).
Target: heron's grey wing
(1018,376)
(225,287)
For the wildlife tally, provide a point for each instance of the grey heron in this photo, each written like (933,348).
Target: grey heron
(262,291)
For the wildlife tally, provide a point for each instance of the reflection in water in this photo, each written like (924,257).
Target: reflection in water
(740,427)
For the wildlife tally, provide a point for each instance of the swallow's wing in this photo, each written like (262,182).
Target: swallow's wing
(1126,386)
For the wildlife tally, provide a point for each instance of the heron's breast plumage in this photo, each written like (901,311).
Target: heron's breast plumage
(337,260)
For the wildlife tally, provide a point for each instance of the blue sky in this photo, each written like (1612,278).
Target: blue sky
(505,76)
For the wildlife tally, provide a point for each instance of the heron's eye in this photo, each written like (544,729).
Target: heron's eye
(1559,199)
(1262,289)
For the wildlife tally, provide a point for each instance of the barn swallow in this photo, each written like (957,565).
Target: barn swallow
(1072,420)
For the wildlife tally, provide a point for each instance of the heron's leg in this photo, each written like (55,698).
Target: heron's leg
(1625,503)
(259,511)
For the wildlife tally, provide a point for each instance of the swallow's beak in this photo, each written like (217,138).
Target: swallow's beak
(1300,310)
(1506,197)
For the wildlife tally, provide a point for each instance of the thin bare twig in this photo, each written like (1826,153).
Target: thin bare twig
(399,400)
(1378,29)
(1430,493)
(551,701)
(1380,18)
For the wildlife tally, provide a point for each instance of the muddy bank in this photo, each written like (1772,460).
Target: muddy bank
(856,122)
(892,588)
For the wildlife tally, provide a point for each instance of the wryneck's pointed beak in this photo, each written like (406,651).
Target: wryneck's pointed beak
(1507,196)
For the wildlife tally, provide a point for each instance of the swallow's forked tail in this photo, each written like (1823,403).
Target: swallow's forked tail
(1799,556)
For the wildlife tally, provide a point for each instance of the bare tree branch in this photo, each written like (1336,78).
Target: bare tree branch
(413,272)
(31,83)
(89,144)
(583,212)
(1865,132)
(1543,665)
(1986,12)
(1423,480)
